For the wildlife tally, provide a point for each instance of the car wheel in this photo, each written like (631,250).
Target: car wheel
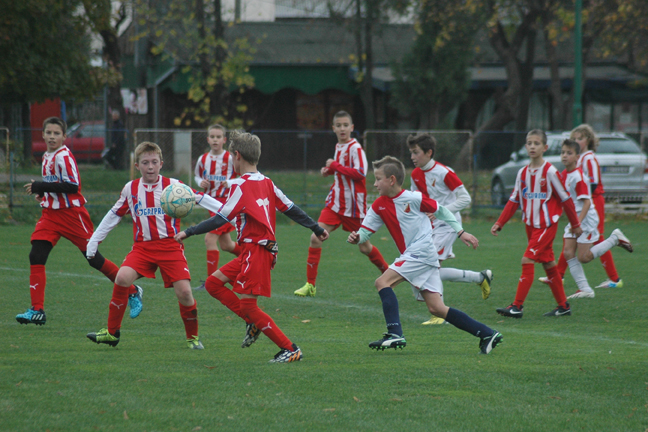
(498,196)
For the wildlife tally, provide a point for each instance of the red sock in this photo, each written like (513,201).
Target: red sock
(189,316)
(117,308)
(556,285)
(109,269)
(37,282)
(237,250)
(217,289)
(212,261)
(562,265)
(314,255)
(377,259)
(608,264)
(264,323)
(524,284)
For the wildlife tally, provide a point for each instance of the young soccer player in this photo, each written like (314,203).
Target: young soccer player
(154,245)
(63,215)
(541,193)
(251,203)
(212,172)
(578,187)
(346,203)
(440,183)
(404,214)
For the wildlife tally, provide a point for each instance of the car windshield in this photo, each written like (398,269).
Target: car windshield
(617,146)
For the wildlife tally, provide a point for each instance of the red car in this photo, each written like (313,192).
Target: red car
(86,140)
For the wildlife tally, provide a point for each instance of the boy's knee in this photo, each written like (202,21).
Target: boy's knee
(39,252)
(365,247)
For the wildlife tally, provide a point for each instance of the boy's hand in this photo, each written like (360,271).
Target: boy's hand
(354,237)
(28,187)
(323,236)
(325,172)
(204,184)
(495,229)
(431,216)
(180,237)
(329,162)
(577,231)
(469,240)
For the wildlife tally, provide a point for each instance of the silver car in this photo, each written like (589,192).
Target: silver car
(624,168)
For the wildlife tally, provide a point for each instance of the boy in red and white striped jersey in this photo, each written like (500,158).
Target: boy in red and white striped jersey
(346,203)
(154,246)
(212,172)
(64,215)
(542,196)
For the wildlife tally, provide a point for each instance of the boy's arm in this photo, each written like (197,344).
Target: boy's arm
(300,216)
(207,202)
(463,200)
(40,187)
(361,236)
(109,222)
(444,214)
(508,212)
(352,173)
(205,226)
(197,171)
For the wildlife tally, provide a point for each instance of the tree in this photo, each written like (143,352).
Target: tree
(192,33)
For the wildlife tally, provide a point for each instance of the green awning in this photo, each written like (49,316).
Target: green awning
(310,79)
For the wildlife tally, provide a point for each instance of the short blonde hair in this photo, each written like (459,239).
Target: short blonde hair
(247,144)
(391,167)
(147,147)
(587,132)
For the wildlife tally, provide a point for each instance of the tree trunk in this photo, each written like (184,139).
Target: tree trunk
(526,75)
(557,113)
(112,55)
(367,83)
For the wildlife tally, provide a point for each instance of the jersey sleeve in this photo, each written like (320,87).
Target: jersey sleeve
(429,205)
(283,203)
(582,188)
(557,185)
(234,204)
(358,160)
(66,169)
(198,171)
(452,180)
(515,195)
(372,220)
(121,207)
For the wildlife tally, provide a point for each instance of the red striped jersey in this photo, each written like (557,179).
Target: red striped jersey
(539,192)
(404,216)
(61,167)
(348,194)
(592,170)
(254,198)
(439,183)
(578,188)
(215,169)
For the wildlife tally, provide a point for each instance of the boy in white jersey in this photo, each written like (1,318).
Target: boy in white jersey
(346,203)
(578,187)
(213,170)
(404,214)
(154,245)
(63,215)
(440,183)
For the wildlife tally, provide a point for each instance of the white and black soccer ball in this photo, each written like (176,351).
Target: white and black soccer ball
(177,200)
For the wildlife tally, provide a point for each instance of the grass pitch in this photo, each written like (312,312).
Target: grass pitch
(583,372)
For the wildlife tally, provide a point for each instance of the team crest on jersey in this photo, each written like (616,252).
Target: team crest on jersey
(543,182)
(434,183)
(407,208)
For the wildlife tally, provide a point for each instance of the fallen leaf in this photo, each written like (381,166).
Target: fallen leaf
(142,380)
(356,399)
(396,400)
(197,428)
(305,321)
(249,384)
(605,319)
(329,409)
(295,316)
(125,416)
(18,383)
(14,346)
(555,397)
(209,367)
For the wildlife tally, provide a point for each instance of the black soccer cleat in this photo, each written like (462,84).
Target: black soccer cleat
(104,337)
(389,340)
(487,344)
(560,311)
(511,311)
(32,316)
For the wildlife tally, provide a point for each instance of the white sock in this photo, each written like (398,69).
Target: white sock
(456,275)
(576,270)
(604,246)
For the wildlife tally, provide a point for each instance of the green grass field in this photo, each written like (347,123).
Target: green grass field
(584,372)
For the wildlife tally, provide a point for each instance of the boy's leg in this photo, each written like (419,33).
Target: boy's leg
(227,244)
(124,279)
(215,285)
(37,277)
(312,262)
(264,322)
(188,312)
(213,254)
(556,285)
(374,255)
(393,337)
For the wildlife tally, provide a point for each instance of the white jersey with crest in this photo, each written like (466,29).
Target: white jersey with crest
(215,169)
(578,187)
(60,167)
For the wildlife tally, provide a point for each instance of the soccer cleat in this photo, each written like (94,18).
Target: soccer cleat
(485,284)
(194,343)
(487,344)
(252,333)
(582,294)
(623,240)
(200,287)
(102,336)
(511,311)
(389,340)
(288,356)
(560,311)
(434,320)
(545,280)
(135,302)
(307,290)
(32,316)
(611,284)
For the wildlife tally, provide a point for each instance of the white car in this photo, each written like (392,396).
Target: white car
(624,168)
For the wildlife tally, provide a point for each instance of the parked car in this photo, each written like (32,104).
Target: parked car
(86,140)
(624,168)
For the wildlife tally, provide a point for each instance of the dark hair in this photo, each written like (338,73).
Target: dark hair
(572,144)
(217,126)
(424,141)
(247,144)
(540,133)
(55,121)
(391,167)
(341,114)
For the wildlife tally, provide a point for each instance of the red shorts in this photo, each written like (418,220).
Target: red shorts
(72,223)
(599,205)
(225,229)
(250,271)
(329,217)
(166,254)
(540,248)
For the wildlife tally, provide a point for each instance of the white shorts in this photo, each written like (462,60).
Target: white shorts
(422,276)
(443,242)
(590,231)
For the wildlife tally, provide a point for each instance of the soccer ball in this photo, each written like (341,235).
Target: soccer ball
(177,200)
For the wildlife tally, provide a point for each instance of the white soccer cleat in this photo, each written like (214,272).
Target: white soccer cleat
(623,240)
(611,284)
(582,294)
(545,280)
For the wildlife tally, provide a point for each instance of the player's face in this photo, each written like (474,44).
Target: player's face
(568,157)
(535,147)
(54,137)
(149,166)
(383,183)
(343,127)
(581,140)
(216,139)
(419,157)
